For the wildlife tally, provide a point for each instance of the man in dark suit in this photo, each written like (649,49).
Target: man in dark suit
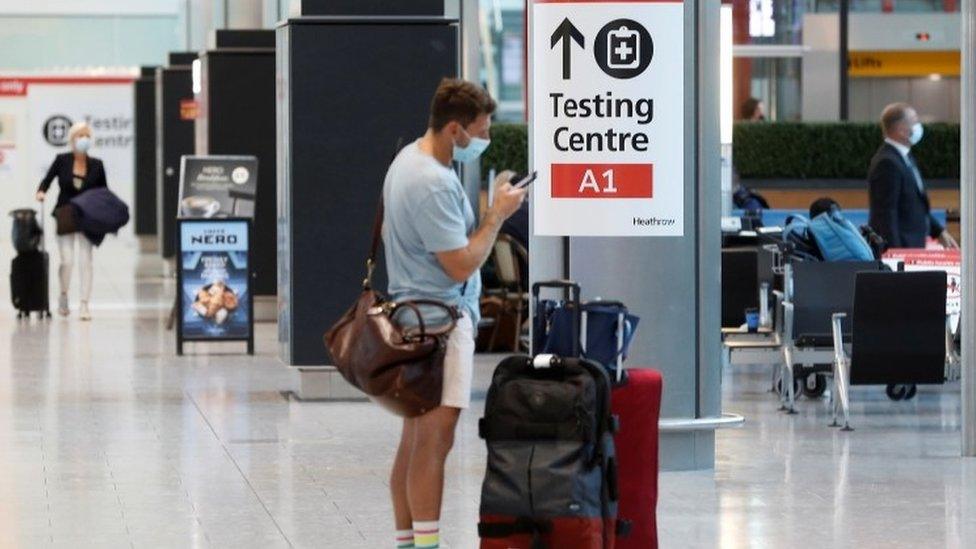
(900,209)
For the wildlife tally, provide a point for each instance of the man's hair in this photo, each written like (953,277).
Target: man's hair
(893,114)
(460,101)
(822,205)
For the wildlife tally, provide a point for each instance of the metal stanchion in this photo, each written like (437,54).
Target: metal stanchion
(968,211)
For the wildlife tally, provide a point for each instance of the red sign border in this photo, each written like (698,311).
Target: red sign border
(23,83)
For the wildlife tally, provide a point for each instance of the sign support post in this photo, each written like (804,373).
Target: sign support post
(624,132)
(968,209)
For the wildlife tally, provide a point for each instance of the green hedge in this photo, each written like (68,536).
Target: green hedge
(787,150)
(509,149)
(833,150)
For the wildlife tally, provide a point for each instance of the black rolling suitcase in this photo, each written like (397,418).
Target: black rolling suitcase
(29,277)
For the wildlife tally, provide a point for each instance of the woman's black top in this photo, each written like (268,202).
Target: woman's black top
(63,170)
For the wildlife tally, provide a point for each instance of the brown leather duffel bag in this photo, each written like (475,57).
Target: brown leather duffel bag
(401,369)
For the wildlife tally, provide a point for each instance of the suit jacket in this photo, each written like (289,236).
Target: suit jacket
(900,212)
(62,169)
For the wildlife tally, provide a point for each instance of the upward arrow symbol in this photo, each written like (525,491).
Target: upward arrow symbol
(565,32)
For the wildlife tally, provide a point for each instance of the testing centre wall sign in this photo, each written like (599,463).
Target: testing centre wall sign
(608,117)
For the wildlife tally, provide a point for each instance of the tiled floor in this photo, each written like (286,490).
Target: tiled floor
(108,440)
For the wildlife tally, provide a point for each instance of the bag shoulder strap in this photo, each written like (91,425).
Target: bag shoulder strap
(375,245)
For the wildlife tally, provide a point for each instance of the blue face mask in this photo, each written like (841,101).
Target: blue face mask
(472,151)
(917,132)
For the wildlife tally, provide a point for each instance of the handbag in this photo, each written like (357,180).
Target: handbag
(400,369)
(67,219)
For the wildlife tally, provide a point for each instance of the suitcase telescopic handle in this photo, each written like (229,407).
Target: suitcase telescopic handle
(574,298)
(605,303)
(43,234)
(573,288)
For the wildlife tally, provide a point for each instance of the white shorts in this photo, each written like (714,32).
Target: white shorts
(459,365)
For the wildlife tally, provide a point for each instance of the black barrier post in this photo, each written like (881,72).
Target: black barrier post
(845,10)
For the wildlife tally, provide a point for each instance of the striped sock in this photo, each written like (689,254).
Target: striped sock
(404,539)
(426,535)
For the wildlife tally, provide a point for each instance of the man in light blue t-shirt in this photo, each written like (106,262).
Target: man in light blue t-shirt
(434,250)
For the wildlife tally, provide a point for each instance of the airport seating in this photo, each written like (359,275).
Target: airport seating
(507,255)
(899,336)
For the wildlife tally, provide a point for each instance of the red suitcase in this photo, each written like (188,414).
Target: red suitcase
(637,405)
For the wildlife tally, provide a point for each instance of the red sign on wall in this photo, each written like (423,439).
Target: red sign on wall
(189,109)
(602,181)
(12,87)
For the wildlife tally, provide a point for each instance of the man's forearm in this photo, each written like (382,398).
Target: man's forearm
(483,240)
(460,264)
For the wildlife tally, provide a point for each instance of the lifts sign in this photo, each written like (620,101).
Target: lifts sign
(608,117)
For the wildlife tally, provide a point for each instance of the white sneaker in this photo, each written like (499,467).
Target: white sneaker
(83,312)
(63,305)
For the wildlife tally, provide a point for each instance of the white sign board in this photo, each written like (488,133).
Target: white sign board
(107,106)
(607,110)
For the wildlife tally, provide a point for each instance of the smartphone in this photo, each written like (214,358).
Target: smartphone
(526,181)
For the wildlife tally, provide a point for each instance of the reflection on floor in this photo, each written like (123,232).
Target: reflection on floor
(107,440)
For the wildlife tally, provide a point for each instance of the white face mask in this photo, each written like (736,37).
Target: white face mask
(82,144)
(917,132)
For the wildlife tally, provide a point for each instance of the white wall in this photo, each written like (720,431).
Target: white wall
(90,7)
(868,32)
(14,167)
(56,34)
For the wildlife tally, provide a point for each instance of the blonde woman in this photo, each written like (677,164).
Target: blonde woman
(76,173)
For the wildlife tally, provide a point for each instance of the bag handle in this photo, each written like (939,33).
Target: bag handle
(414,306)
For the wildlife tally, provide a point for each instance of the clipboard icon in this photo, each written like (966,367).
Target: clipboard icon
(623,48)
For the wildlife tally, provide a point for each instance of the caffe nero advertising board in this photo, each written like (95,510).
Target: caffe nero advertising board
(218,186)
(215,301)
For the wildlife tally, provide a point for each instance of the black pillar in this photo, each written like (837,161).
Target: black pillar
(237,117)
(372,7)
(174,138)
(145,152)
(350,88)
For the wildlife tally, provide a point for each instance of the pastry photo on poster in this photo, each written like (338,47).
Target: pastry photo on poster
(215,293)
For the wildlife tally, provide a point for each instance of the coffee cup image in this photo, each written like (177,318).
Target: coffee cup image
(200,206)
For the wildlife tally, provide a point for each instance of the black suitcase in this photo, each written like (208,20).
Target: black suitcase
(29,284)
(29,279)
